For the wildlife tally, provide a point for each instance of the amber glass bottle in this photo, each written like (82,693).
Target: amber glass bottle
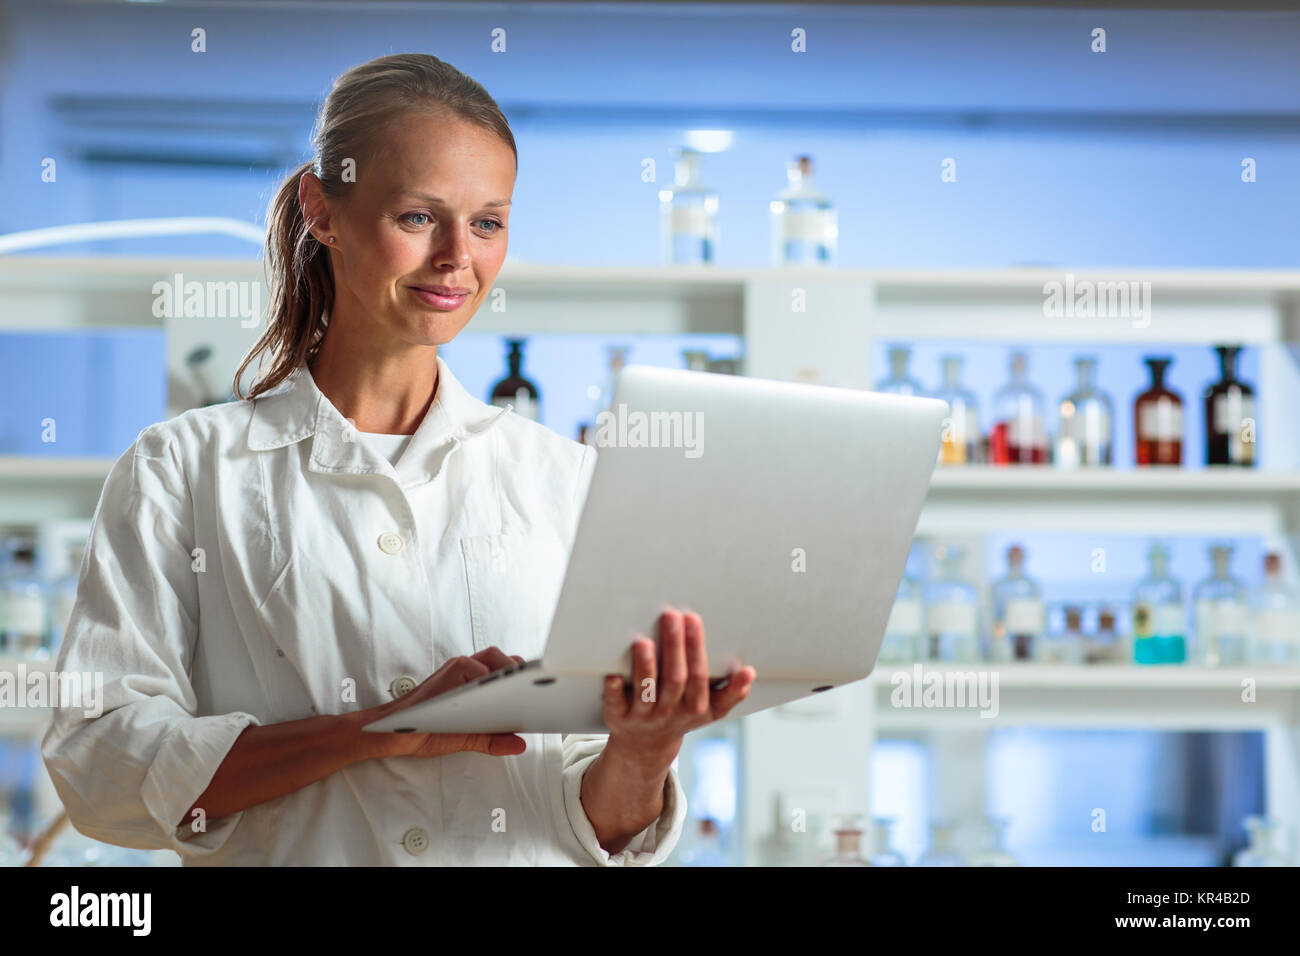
(1158,420)
(1229,415)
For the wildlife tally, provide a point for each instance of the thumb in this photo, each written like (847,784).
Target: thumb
(496,745)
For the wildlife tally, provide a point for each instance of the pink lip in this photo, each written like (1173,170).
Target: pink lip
(444,298)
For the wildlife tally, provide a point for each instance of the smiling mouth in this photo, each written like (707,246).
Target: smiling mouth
(443,301)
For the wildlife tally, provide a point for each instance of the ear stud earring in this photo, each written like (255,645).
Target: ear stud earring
(331,240)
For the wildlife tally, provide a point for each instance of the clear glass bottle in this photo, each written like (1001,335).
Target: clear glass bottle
(1105,646)
(961,430)
(514,389)
(943,849)
(1070,646)
(898,382)
(1159,621)
(991,849)
(1222,632)
(24,601)
(602,396)
(1229,414)
(905,631)
(1275,612)
(63,595)
(1018,612)
(1087,421)
(848,845)
(1263,849)
(696,360)
(952,610)
(1019,434)
(1158,420)
(882,851)
(805,230)
(688,214)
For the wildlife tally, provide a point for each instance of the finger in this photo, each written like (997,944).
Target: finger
(696,698)
(517,659)
(614,704)
(494,658)
(738,687)
(644,691)
(672,661)
(505,745)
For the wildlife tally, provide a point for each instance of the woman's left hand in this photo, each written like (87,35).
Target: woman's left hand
(668,700)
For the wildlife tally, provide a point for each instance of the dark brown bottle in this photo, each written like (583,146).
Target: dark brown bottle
(516,390)
(1229,415)
(1158,420)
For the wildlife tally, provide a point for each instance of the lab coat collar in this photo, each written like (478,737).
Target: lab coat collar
(297,409)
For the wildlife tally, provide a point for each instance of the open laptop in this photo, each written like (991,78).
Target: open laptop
(781,513)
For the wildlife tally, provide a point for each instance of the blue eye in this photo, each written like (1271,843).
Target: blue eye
(493,222)
(408,216)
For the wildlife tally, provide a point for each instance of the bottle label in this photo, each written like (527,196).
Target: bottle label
(690,220)
(24,614)
(1277,625)
(807,225)
(1161,420)
(1220,619)
(949,617)
(905,617)
(1024,616)
(1167,620)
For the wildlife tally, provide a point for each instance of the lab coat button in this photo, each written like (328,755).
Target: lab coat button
(416,841)
(390,542)
(402,686)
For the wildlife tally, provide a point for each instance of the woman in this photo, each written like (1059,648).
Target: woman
(266,576)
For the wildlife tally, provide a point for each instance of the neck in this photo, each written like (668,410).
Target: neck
(382,385)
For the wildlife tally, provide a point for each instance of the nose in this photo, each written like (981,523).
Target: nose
(452,251)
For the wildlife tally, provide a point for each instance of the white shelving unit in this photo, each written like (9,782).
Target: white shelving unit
(794,320)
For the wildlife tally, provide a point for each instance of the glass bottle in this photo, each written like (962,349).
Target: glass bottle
(63,595)
(24,601)
(1229,414)
(1070,646)
(898,382)
(882,851)
(1018,613)
(696,360)
(515,389)
(1263,849)
(1275,608)
(1221,625)
(805,230)
(1158,419)
(905,631)
(942,850)
(848,846)
(1087,421)
(961,428)
(688,214)
(602,396)
(952,610)
(1019,434)
(1159,624)
(992,845)
(1105,646)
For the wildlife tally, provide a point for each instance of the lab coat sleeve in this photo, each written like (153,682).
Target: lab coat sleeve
(129,766)
(649,847)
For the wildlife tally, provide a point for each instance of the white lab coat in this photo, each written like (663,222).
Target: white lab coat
(255,562)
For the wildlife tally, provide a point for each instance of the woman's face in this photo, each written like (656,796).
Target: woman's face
(427,215)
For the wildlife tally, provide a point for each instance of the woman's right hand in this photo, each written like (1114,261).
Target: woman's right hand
(454,673)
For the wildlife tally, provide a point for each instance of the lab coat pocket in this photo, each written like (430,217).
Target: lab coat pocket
(513,583)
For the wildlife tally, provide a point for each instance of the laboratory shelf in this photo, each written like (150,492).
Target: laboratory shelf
(979,499)
(44,468)
(1117,696)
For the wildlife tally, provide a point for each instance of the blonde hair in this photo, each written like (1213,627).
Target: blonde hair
(363,103)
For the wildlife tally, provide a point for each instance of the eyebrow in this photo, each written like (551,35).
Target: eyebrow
(441,202)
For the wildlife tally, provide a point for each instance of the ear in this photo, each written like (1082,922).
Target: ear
(314,205)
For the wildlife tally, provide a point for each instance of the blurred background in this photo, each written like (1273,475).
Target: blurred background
(1076,224)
